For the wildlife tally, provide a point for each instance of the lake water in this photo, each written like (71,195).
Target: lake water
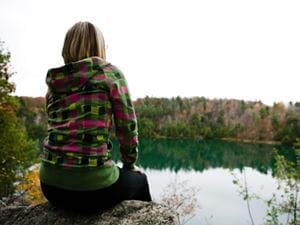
(209,166)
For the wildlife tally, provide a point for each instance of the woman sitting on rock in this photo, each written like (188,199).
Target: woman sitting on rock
(85,98)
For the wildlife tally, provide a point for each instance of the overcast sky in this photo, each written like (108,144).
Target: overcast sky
(215,48)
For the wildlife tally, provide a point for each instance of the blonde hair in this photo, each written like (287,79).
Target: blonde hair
(83,40)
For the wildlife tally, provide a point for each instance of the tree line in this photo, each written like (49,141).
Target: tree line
(196,118)
(203,118)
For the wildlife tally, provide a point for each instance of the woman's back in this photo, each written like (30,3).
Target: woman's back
(83,99)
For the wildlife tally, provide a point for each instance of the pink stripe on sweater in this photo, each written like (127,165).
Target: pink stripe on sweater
(77,149)
(115,93)
(99,96)
(99,77)
(124,89)
(84,123)
(73,98)
(72,148)
(93,123)
(134,140)
(108,68)
(124,116)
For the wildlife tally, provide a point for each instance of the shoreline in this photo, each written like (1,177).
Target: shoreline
(229,139)
(251,141)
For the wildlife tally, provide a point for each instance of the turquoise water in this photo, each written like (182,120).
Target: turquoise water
(210,167)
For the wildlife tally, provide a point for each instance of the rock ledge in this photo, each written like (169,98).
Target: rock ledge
(125,213)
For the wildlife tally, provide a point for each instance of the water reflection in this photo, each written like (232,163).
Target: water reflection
(202,155)
(187,155)
(208,165)
(219,200)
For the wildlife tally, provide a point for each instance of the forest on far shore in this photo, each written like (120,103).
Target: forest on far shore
(196,118)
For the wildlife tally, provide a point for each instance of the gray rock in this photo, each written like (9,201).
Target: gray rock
(125,213)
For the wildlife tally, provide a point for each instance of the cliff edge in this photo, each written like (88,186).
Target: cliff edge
(125,213)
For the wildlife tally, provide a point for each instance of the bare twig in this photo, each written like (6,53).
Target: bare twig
(247,197)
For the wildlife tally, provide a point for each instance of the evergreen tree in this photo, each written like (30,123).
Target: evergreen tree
(6,87)
(16,150)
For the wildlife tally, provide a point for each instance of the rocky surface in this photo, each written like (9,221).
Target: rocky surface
(125,213)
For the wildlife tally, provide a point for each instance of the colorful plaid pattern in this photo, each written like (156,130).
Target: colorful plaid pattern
(82,100)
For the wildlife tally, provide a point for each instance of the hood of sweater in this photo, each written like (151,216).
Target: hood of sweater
(73,76)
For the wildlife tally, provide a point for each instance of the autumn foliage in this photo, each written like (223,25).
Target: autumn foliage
(195,117)
(30,186)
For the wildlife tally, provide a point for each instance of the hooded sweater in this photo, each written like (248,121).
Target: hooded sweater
(83,101)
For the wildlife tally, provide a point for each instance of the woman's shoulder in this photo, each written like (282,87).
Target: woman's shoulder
(103,63)
(107,66)
(111,71)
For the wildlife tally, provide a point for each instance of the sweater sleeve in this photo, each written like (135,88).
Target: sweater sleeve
(125,120)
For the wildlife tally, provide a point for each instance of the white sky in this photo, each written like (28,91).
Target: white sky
(215,48)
